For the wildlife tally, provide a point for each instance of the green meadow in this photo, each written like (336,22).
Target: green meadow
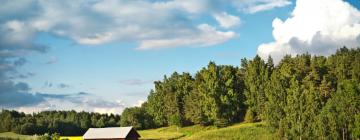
(240,131)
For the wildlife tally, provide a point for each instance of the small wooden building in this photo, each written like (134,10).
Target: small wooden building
(111,133)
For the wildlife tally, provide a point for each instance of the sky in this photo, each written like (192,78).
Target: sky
(104,55)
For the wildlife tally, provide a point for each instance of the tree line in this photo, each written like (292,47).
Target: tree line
(65,123)
(302,97)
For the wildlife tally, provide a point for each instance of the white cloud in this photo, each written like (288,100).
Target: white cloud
(226,20)
(254,6)
(139,103)
(317,27)
(96,39)
(135,82)
(207,36)
(103,21)
(16,32)
(98,22)
(267,6)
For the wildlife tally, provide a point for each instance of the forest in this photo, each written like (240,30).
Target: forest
(301,97)
(66,123)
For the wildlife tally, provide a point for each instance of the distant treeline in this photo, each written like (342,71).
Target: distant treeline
(68,123)
(302,97)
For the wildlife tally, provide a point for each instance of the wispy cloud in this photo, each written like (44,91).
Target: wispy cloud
(52,60)
(266,5)
(62,85)
(207,37)
(135,82)
(226,20)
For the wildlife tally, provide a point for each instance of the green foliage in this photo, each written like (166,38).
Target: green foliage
(214,96)
(220,89)
(257,74)
(62,122)
(356,130)
(314,97)
(167,103)
(303,97)
(46,136)
(249,116)
(136,117)
(55,136)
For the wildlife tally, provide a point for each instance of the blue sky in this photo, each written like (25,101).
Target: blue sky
(103,56)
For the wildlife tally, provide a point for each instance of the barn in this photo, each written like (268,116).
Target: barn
(111,133)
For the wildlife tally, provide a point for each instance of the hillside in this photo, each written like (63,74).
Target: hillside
(238,131)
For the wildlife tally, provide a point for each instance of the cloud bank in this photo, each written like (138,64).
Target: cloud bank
(318,27)
(20,99)
(151,24)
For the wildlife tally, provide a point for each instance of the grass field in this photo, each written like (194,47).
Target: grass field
(71,138)
(241,131)
(173,132)
(11,135)
(246,131)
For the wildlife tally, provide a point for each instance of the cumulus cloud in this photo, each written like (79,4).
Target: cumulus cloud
(226,20)
(318,27)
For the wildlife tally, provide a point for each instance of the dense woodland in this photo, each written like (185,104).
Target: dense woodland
(302,97)
(62,122)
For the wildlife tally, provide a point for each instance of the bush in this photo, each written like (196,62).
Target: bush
(249,116)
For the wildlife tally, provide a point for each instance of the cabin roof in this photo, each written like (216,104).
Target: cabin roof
(110,132)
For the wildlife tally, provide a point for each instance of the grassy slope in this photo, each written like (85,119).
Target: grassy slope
(173,132)
(253,131)
(249,131)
